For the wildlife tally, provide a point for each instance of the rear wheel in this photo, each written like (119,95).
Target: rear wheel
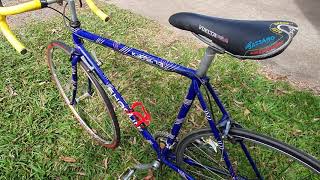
(92,109)
(199,155)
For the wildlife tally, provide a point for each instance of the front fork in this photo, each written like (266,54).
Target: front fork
(74,77)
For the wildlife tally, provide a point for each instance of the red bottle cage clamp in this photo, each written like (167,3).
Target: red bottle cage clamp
(144,118)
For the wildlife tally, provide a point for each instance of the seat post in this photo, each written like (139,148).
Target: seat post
(206,61)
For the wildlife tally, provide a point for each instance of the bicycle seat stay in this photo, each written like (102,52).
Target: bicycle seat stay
(243,39)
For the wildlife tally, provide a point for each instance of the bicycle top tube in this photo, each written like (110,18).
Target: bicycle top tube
(134,53)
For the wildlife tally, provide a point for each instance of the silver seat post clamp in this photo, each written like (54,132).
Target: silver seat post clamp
(206,61)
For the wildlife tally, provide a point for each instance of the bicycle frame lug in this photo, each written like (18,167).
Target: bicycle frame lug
(227,129)
(91,68)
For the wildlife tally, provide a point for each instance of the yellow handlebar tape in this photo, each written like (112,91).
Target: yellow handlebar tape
(11,37)
(30,6)
(12,10)
(20,8)
(97,11)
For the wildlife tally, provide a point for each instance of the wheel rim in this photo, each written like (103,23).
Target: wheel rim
(90,109)
(209,164)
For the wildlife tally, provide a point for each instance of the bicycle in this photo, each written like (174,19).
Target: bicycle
(212,152)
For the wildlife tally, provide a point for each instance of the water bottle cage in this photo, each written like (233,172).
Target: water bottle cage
(142,117)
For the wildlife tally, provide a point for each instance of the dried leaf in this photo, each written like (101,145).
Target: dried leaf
(296,132)
(247,112)
(68,159)
(105,163)
(193,65)
(198,107)
(280,91)
(153,101)
(113,74)
(11,91)
(264,107)
(150,175)
(54,31)
(235,90)
(81,173)
(134,141)
(1,99)
(238,102)
(42,83)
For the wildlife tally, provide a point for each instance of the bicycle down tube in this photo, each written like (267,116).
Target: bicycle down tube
(193,92)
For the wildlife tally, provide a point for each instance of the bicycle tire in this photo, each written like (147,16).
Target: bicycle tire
(308,165)
(101,136)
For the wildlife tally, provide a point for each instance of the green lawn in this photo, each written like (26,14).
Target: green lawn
(37,130)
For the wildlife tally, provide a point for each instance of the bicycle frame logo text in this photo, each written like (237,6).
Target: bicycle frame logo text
(147,59)
(110,88)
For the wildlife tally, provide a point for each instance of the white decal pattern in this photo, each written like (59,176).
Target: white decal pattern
(179,121)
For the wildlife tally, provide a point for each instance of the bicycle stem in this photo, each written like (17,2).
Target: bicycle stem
(75,23)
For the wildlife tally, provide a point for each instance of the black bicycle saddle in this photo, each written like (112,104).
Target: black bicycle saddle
(241,38)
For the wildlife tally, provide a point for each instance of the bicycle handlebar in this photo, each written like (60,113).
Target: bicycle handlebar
(12,10)
(97,11)
(31,6)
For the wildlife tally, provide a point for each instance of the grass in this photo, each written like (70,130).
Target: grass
(37,130)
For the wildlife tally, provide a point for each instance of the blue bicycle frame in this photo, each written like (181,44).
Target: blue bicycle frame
(163,155)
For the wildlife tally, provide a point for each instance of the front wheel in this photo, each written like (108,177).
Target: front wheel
(199,155)
(92,109)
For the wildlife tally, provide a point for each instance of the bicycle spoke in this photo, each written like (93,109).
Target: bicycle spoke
(200,158)
(284,169)
(200,174)
(271,155)
(193,167)
(82,97)
(97,123)
(307,177)
(219,164)
(197,161)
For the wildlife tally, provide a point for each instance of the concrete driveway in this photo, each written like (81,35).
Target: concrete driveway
(300,62)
